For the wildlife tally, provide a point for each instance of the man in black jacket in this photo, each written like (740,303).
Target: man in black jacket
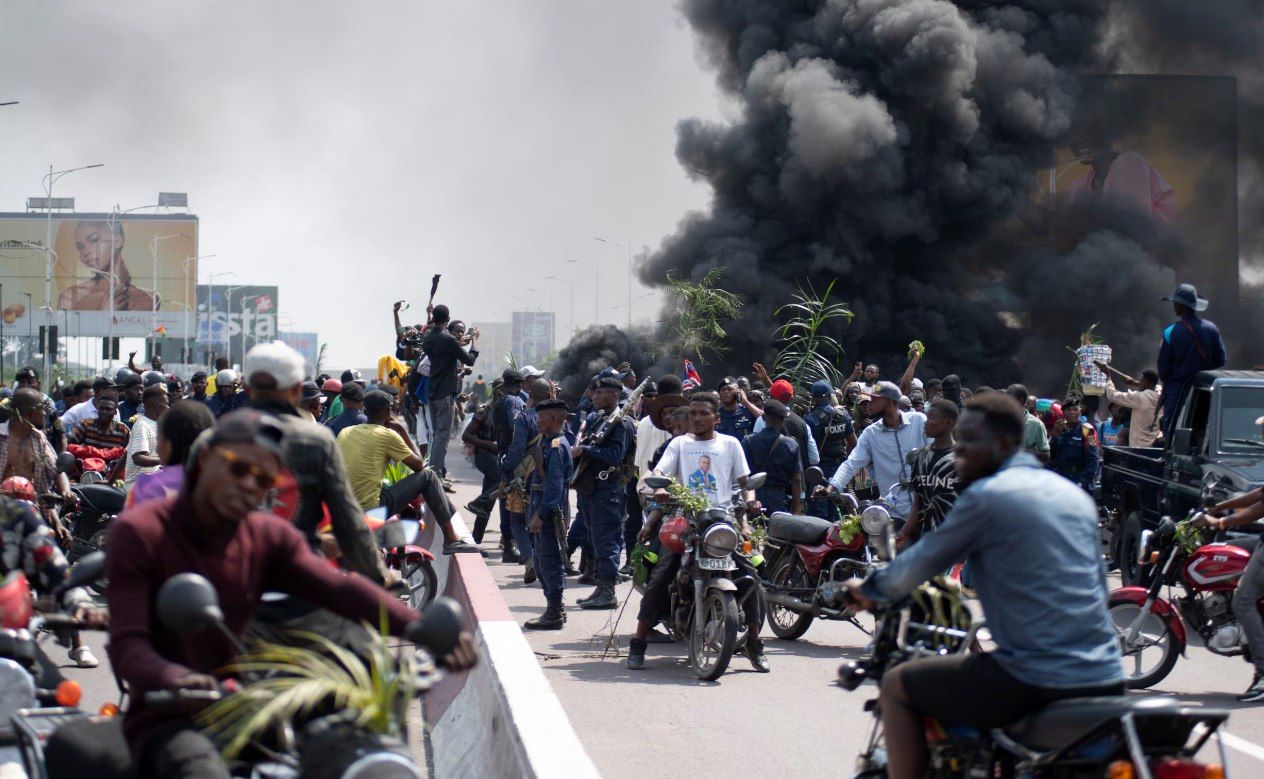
(446,356)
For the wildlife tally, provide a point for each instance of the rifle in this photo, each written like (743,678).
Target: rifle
(434,287)
(604,430)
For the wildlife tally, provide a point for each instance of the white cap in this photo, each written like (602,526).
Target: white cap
(226,377)
(917,383)
(531,372)
(278,360)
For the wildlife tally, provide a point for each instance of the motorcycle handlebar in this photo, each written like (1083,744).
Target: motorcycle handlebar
(163,697)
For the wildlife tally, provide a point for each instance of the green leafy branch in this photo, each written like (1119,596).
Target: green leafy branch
(807,354)
(701,310)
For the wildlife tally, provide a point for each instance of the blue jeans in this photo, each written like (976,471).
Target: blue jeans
(546,556)
(605,512)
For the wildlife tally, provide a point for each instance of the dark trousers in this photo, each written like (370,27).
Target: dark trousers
(442,414)
(425,483)
(518,531)
(182,753)
(632,524)
(773,499)
(604,511)
(546,556)
(657,596)
(489,466)
(577,536)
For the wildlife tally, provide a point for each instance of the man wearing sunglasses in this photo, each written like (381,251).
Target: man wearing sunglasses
(212,528)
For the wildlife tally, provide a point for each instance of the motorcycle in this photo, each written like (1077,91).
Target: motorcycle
(97,504)
(36,698)
(396,537)
(715,582)
(1120,736)
(324,741)
(1152,629)
(806,555)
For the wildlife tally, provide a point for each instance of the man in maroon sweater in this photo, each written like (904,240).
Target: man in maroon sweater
(212,528)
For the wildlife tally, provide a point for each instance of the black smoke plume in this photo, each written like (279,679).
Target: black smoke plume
(896,146)
(592,350)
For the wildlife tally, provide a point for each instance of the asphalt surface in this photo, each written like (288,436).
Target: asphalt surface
(792,722)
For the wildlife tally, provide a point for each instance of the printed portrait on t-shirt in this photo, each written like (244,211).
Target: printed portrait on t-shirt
(702,480)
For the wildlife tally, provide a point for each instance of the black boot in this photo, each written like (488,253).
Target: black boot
(510,553)
(602,598)
(568,566)
(553,618)
(587,568)
(529,577)
(636,654)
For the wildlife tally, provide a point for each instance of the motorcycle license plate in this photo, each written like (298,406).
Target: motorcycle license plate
(717,564)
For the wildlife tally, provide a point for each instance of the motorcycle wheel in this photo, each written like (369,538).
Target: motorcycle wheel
(1153,655)
(1129,541)
(786,624)
(711,644)
(421,584)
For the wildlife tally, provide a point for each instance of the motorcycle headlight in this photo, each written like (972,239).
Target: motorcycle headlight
(875,520)
(719,540)
(17,689)
(1143,547)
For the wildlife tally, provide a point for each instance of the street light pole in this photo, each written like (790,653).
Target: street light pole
(210,311)
(153,319)
(187,260)
(48,182)
(30,332)
(570,283)
(244,298)
(228,331)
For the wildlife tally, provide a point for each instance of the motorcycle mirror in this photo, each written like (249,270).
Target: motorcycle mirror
(411,529)
(756,480)
(814,476)
(89,569)
(439,629)
(657,482)
(378,513)
(65,462)
(391,535)
(188,603)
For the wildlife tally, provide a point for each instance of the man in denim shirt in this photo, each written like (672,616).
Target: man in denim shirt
(1030,537)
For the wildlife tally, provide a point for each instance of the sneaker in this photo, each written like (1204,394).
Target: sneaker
(657,636)
(459,547)
(755,652)
(83,657)
(447,486)
(1254,693)
(636,655)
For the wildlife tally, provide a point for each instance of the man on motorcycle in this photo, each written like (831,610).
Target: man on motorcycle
(1031,538)
(213,528)
(1246,509)
(25,451)
(29,546)
(725,468)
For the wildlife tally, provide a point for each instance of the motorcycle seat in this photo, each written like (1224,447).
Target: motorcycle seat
(1249,543)
(102,497)
(1061,722)
(797,528)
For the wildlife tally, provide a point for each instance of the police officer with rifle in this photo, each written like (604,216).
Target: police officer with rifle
(548,480)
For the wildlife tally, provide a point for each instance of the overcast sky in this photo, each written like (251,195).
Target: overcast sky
(348,151)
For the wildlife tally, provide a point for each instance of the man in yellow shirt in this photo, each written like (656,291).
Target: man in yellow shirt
(369,448)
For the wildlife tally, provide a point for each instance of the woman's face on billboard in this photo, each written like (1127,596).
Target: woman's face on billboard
(92,241)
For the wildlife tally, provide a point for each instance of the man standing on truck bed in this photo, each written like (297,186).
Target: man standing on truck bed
(1191,344)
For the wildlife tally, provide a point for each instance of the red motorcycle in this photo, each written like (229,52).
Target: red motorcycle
(804,555)
(1152,629)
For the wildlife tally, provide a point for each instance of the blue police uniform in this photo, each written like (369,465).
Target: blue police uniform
(737,423)
(504,413)
(548,498)
(1190,345)
(777,455)
(605,508)
(830,426)
(1074,454)
(524,430)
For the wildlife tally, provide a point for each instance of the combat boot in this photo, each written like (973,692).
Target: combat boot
(603,598)
(553,618)
(587,568)
(529,576)
(509,553)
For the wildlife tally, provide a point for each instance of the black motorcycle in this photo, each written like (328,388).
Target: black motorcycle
(711,597)
(1081,737)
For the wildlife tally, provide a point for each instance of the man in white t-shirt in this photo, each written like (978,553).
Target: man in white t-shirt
(713,465)
(142,446)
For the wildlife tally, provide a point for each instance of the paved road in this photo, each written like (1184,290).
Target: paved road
(791,722)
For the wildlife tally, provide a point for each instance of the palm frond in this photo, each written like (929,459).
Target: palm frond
(701,307)
(807,353)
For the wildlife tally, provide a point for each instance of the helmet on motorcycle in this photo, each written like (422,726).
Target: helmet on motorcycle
(18,487)
(671,534)
(150,378)
(122,374)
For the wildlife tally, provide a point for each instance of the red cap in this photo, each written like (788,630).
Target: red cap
(781,390)
(331,385)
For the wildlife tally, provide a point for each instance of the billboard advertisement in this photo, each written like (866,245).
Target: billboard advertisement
(306,344)
(232,319)
(532,336)
(137,270)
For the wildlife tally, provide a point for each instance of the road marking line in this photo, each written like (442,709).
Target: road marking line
(1242,745)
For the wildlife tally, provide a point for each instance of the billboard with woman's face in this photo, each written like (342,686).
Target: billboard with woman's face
(137,270)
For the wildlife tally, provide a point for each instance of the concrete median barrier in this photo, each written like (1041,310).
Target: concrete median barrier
(502,718)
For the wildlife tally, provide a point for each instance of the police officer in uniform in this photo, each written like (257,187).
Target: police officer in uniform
(510,404)
(776,454)
(832,429)
(513,467)
(1073,448)
(602,491)
(548,484)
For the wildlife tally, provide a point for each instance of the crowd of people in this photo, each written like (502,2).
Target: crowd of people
(198,461)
